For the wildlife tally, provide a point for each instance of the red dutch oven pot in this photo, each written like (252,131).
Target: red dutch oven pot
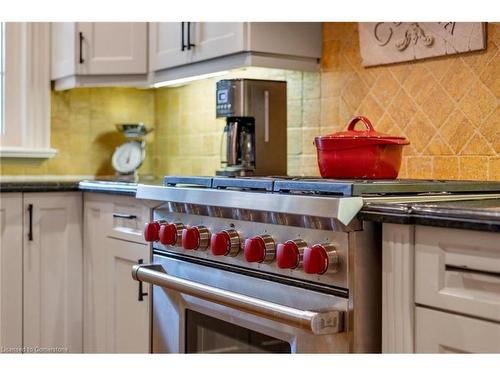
(361,154)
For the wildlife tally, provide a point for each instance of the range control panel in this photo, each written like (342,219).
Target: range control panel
(300,253)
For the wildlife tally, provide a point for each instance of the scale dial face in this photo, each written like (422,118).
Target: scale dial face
(128,157)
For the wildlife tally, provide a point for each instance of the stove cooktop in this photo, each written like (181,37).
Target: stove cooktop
(345,188)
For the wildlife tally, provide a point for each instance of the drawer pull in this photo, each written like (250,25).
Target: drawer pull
(124,216)
(471,271)
(30,230)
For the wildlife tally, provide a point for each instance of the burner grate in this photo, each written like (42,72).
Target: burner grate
(244,183)
(342,188)
(383,187)
(198,181)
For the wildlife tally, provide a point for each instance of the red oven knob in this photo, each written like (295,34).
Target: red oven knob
(226,242)
(195,238)
(260,249)
(171,234)
(151,231)
(289,254)
(319,258)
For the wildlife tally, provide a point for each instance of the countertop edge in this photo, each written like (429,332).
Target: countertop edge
(406,214)
(413,214)
(117,188)
(38,187)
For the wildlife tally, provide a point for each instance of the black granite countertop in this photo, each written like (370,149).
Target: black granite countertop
(28,186)
(481,215)
(51,185)
(464,214)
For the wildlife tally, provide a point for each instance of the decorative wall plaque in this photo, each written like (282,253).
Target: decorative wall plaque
(390,42)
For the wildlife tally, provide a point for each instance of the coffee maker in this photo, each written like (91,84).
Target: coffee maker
(254,138)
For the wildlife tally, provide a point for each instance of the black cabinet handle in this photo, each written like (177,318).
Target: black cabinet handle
(189,45)
(30,218)
(81,38)
(183,46)
(124,216)
(141,294)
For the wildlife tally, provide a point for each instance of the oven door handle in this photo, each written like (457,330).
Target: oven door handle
(324,322)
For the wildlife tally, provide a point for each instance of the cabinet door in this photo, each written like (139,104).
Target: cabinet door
(458,270)
(128,317)
(215,39)
(112,48)
(442,332)
(11,271)
(52,317)
(165,45)
(97,222)
(63,49)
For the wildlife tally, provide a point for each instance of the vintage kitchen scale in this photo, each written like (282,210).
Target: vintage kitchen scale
(129,156)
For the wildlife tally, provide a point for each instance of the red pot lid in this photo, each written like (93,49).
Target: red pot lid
(356,138)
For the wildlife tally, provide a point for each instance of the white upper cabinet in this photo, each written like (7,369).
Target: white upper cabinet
(99,53)
(89,54)
(63,50)
(112,48)
(214,39)
(180,43)
(286,45)
(166,45)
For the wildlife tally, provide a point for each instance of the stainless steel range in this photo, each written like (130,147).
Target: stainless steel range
(271,264)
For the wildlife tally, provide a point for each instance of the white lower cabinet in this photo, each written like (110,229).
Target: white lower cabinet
(65,273)
(115,320)
(128,314)
(52,290)
(41,272)
(11,272)
(441,290)
(94,276)
(441,332)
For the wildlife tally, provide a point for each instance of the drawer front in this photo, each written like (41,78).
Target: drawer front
(440,332)
(458,270)
(128,216)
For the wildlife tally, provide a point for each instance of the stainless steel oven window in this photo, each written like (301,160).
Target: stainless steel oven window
(205,334)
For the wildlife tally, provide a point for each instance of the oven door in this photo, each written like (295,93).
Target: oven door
(201,309)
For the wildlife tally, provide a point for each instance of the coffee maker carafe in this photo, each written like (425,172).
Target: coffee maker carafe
(254,138)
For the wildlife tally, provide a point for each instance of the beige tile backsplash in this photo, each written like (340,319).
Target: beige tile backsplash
(448,107)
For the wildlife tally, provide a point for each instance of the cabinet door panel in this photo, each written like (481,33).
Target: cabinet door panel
(458,270)
(165,49)
(53,272)
(128,319)
(63,49)
(215,39)
(441,332)
(97,221)
(113,48)
(11,272)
